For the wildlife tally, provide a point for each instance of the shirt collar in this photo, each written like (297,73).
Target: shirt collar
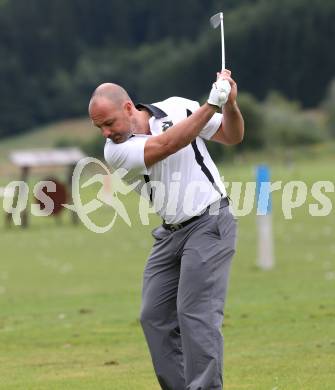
(154,110)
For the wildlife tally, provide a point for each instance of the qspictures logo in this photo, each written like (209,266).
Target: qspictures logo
(244,195)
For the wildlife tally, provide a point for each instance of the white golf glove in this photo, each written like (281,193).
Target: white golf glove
(219,93)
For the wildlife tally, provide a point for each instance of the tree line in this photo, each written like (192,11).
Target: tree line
(53,54)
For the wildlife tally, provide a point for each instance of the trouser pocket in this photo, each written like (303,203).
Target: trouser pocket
(159,233)
(227,226)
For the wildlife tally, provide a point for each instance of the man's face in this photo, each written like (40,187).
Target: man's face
(115,122)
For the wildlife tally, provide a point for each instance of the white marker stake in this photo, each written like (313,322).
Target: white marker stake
(265,242)
(265,259)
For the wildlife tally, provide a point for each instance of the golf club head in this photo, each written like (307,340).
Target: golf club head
(216,19)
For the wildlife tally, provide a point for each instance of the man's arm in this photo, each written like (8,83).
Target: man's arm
(178,136)
(231,131)
(184,132)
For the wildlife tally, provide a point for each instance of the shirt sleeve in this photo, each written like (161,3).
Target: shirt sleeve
(211,127)
(128,155)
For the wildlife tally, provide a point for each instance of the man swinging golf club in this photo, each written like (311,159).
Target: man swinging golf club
(186,275)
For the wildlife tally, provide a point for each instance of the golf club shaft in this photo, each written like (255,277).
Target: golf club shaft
(222,44)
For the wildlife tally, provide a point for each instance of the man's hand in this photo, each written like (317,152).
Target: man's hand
(220,92)
(231,131)
(226,75)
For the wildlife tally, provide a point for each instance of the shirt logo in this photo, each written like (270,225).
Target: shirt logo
(166,125)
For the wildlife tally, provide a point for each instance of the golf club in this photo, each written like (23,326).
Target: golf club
(215,21)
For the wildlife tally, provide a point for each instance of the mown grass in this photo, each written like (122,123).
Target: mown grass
(70,300)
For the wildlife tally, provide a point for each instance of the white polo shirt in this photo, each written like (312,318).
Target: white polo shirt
(182,185)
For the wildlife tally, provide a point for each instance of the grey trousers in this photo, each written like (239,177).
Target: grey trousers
(184,289)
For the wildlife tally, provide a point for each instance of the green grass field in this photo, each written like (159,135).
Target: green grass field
(70,300)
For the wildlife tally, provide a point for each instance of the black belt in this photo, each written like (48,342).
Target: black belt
(224,202)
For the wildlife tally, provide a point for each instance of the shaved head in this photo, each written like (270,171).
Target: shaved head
(112,110)
(113,92)
(114,113)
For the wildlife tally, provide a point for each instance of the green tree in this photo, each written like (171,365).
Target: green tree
(251,110)
(329,107)
(54,53)
(286,124)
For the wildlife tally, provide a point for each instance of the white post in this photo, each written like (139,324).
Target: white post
(265,258)
(265,242)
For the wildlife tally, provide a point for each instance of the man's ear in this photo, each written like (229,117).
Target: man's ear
(128,107)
